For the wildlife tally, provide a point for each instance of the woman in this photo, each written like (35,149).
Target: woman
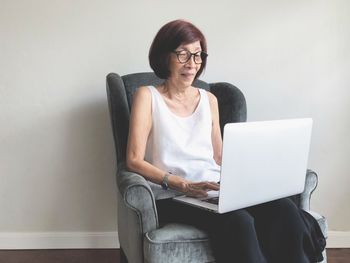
(175,141)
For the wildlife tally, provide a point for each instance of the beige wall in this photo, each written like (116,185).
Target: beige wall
(290,58)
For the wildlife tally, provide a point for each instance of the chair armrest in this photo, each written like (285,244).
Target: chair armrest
(138,196)
(310,185)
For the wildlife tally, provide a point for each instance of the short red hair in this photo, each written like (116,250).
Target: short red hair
(168,38)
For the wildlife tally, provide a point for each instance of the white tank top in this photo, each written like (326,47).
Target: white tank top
(182,145)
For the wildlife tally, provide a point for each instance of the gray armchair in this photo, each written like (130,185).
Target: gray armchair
(142,238)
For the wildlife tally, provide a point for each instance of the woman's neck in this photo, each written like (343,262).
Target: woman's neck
(175,91)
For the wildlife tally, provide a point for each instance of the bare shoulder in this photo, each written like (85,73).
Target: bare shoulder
(142,95)
(212,99)
(143,91)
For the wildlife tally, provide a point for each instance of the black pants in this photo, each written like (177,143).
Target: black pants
(272,232)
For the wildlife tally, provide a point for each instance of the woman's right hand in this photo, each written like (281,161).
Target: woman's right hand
(193,189)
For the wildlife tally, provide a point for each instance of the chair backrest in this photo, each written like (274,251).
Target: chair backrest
(120,91)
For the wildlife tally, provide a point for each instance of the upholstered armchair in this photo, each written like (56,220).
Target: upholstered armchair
(142,238)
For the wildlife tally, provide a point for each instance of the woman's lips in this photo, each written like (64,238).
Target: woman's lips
(187,75)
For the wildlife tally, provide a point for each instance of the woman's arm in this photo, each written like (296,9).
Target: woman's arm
(216,133)
(140,127)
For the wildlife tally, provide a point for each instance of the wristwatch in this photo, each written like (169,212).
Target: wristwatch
(165,181)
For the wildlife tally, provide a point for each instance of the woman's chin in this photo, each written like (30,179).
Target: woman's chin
(184,80)
(187,79)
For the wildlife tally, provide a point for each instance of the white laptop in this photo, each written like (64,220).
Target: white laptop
(261,161)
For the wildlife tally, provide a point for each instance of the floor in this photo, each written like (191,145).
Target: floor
(107,256)
(60,256)
(338,255)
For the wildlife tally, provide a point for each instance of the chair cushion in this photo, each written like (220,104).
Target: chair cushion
(177,243)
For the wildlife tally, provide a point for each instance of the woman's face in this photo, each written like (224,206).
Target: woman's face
(184,73)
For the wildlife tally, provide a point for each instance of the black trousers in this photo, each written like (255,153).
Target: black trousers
(273,232)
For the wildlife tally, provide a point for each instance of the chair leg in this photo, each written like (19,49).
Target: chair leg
(123,258)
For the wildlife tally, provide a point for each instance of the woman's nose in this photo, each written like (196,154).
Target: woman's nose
(191,62)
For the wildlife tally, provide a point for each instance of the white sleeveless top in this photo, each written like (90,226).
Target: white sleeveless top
(182,145)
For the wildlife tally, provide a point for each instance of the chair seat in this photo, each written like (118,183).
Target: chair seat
(177,243)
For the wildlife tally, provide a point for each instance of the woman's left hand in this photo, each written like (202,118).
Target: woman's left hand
(200,189)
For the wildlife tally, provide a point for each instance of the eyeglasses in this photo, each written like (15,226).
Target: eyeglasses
(183,56)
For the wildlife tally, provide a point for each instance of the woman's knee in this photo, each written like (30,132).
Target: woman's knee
(284,208)
(238,220)
(289,215)
(285,203)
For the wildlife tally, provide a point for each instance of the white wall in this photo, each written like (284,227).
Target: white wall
(290,58)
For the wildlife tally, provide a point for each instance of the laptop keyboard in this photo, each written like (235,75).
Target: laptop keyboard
(212,200)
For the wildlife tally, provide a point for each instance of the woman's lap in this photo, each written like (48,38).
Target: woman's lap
(172,211)
(271,230)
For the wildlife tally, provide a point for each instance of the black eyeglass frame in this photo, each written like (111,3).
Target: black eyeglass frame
(204,56)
